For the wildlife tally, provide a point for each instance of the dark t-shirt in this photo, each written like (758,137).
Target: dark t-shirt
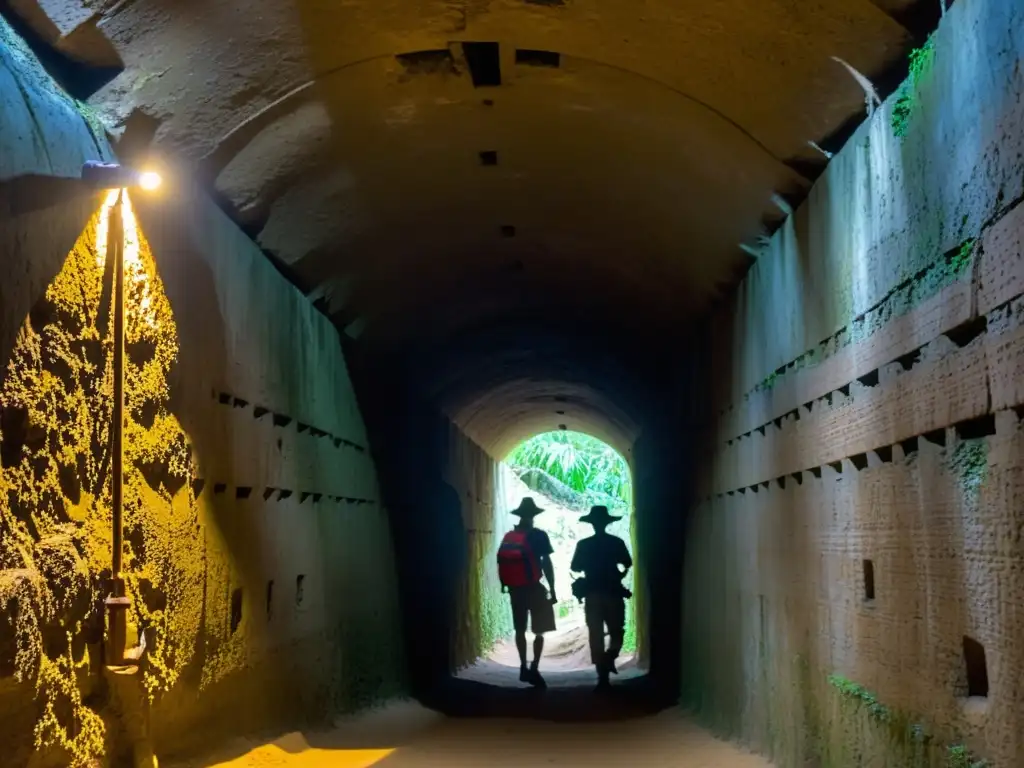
(598,557)
(539,542)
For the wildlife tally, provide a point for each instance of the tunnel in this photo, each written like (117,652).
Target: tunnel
(770,252)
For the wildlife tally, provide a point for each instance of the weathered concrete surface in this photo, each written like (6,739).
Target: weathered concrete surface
(887,208)
(897,442)
(258,554)
(635,153)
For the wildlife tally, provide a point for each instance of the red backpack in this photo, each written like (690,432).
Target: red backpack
(517,565)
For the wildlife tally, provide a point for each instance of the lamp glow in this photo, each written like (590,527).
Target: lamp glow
(100,175)
(150,180)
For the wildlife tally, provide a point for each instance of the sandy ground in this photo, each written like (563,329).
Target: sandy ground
(494,723)
(566,649)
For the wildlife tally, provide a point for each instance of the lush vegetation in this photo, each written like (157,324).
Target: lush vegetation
(585,465)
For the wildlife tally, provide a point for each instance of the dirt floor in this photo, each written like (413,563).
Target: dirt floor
(492,721)
(566,649)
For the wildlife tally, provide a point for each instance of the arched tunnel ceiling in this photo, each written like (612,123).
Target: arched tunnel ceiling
(633,155)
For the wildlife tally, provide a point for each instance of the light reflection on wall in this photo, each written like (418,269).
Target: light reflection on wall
(135,272)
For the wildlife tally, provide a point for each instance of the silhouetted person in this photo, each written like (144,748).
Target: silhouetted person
(524,556)
(599,557)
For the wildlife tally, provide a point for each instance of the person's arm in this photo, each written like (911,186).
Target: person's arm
(549,573)
(548,568)
(577,563)
(624,559)
(504,586)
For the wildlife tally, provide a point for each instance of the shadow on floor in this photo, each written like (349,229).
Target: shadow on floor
(491,690)
(418,733)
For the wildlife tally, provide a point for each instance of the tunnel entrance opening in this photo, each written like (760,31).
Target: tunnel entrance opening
(567,473)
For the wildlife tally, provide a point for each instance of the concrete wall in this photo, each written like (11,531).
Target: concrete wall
(871,368)
(258,554)
(448,502)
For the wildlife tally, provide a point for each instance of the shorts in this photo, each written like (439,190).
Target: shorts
(532,601)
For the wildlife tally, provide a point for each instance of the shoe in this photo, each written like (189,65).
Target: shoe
(524,674)
(610,665)
(535,679)
(603,684)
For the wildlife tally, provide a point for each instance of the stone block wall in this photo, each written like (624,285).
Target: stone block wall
(258,554)
(488,491)
(852,577)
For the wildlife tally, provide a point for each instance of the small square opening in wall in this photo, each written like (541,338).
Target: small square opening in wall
(884,454)
(236,609)
(869,379)
(909,446)
(869,581)
(484,62)
(975,429)
(977,668)
(507,230)
(489,157)
(533,58)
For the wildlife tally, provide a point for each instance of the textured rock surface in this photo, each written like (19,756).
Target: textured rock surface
(862,508)
(637,145)
(258,555)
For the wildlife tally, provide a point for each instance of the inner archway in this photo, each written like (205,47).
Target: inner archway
(566,473)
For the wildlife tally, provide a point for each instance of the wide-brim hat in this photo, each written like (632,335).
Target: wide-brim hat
(527,508)
(599,514)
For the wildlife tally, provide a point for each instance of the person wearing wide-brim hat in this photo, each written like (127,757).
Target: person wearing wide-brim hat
(523,557)
(598,515)
(604,561)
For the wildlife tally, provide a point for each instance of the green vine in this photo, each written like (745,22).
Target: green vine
(769,381)
(906,99)
(961,258)
(860,695)
(959,756)
(902,729)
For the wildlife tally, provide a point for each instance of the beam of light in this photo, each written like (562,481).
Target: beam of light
(136,279)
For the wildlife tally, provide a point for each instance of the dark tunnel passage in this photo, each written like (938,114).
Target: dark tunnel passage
(769,252)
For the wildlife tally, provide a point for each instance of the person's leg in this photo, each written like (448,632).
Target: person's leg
(520,613)
(596,624)
(542,619)
(595,629)
(616,618)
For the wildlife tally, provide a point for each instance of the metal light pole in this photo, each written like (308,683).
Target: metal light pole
(117,602)
(110,176)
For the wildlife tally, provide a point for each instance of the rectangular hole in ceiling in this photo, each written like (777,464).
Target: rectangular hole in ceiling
(530,58)
(484,63)
(428,62)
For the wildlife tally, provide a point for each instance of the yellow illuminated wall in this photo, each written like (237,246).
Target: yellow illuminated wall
(55,512)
